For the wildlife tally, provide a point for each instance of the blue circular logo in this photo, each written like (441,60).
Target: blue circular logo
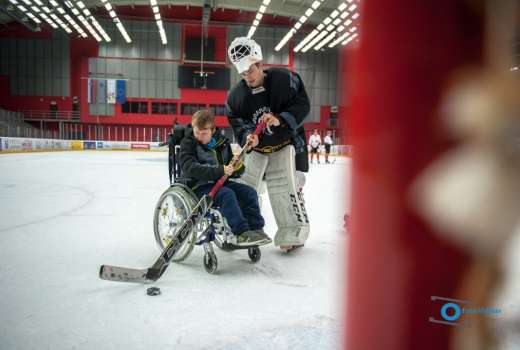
(456,314)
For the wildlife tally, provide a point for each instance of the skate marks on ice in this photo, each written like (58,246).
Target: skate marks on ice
(320,332)
(276,276)
(44,191)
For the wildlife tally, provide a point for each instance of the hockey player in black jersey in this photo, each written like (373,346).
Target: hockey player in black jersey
(276,96)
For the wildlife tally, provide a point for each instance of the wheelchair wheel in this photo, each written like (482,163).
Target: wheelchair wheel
(172,209)
(254,254)
(210,262)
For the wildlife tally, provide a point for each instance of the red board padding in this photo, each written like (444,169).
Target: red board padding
(408,50)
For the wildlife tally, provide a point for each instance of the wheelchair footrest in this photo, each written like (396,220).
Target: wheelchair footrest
(230,246)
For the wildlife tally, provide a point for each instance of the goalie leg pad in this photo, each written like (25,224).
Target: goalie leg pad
(255,164)
(286,201)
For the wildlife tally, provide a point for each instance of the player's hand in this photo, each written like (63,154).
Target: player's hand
(228,170)
(254,140)
(270,119)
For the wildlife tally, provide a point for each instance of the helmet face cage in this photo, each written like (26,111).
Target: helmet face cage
(243,50)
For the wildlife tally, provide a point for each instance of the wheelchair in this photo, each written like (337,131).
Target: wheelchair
(173,208)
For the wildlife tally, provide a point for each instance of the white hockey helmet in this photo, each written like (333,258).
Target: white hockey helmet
(244,52)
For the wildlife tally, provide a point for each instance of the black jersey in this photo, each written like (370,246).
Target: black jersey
(282,94)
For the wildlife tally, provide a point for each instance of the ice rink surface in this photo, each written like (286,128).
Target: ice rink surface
(64,214)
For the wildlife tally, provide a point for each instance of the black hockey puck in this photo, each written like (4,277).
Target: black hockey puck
(153,291)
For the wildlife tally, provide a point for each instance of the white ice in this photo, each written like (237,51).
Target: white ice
(64,214)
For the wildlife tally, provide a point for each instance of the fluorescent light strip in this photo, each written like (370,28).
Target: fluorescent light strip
(159,22)
(349,40)
(326,22)
(100,29)
(39,12)
(121,28)
(251,31)
(338,40)
(285,39)
(89,28)
(306,40)
(258,18)
(324,42)
(74,25)
(60,23)
(111,11)
(56,19)
(315,40)
(33,17)
(298,25)
(81,18)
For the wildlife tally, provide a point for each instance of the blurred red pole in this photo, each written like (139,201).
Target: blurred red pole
(407,51)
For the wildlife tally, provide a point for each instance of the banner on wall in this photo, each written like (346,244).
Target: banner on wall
(89,145)
(121,91)
(101,91)
(111,91)
(91,91)
(140,146)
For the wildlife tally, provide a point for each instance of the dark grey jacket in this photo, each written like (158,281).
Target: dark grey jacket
(203,165)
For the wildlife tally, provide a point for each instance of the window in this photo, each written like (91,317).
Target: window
(135,107)
(218,109)
(164,108)
(190,108)
(143,107)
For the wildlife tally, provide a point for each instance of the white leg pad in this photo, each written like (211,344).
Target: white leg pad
(255,164)
(286,201)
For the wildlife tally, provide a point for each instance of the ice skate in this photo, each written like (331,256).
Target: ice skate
(290,248)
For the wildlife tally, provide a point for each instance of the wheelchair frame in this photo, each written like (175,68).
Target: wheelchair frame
(212,229)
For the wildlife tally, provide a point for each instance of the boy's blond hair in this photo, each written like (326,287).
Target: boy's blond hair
(202,119)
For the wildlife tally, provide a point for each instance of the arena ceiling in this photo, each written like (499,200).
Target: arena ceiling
(287,11)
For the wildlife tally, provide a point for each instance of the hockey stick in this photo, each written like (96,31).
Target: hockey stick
(153,273)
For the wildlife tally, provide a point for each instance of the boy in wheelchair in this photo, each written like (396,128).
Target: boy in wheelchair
(203,159)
